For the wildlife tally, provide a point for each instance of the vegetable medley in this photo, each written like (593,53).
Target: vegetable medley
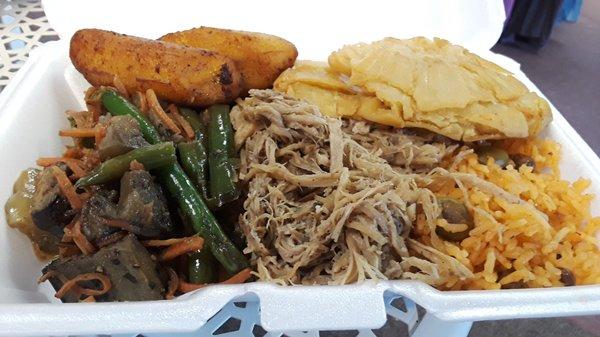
(129,208)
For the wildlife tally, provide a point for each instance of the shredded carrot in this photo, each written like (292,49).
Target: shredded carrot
(67,246)
(222,275)
(191,244)
(80,240)
(72,284)
(89,299)
(73,152)
(66,187)
(73,164)
(185,125)
(100,134)
(120,86)
(186,287)
(140,101)
(158,110)
(162,243)
(84,196)
(240,277)
(136,166)
(68,250)
(78,132)
(96,110)
(68,236)
(173,284)
(51,274)
(49,161)
(78,171)
(46,276)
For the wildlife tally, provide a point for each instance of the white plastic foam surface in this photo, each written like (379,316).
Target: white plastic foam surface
(31,113)
(315,27)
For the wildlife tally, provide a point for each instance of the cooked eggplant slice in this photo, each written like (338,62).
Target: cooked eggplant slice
(50,210)
(18,214)
(122,135)
(143,204)
(132,272)
(96,210)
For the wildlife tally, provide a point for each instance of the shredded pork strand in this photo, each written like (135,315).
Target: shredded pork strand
(404,149)
(324,205)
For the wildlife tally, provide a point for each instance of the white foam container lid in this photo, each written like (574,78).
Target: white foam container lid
(31,113)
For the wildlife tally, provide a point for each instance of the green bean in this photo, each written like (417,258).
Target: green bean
(201,268)
(181,188)
(221,153)
(220,131)
(199,128)
(193,155)
(152,157)
(202,220)
(194,162)
(194,159)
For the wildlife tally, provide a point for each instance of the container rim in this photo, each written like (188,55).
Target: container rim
(289,308)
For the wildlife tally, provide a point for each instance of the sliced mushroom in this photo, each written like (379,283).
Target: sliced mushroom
(122,135)
(94,213)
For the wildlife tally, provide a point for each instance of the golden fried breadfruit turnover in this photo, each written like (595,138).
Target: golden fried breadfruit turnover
(430,84)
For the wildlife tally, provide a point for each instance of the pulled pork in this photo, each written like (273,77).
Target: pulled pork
(406,150)
(324,205)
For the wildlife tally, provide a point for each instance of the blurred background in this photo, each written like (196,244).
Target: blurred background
(557,43)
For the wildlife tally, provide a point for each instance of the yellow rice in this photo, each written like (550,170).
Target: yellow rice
(508,236)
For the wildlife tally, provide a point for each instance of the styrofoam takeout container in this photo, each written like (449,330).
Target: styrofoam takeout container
(31,113)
